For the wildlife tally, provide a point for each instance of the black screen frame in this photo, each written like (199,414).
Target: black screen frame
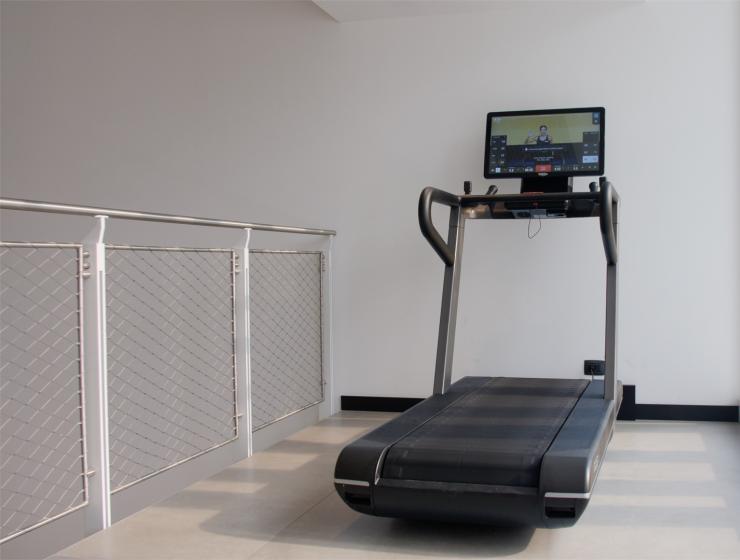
(522,175)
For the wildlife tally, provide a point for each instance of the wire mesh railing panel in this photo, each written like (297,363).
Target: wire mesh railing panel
(286,338)
(171,368)
(42,451)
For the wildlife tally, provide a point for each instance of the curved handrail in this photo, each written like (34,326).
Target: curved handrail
(428,196)
(609,198)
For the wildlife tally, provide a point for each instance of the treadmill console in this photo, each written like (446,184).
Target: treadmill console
(545,148)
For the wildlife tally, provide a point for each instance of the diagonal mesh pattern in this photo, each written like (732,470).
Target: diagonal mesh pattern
(285,325)
(42,461)
(171,374)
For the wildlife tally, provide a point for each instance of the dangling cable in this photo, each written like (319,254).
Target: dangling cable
(529,227)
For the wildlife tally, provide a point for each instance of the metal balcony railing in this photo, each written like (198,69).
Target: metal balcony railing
(119,362)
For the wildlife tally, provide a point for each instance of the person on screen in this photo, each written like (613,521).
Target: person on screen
(543,139)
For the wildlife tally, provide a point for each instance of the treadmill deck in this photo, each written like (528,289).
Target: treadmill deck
(496,434)
(501,451)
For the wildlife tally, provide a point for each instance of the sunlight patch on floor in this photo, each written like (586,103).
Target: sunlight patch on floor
(646,441)
(669,471)
(659,501)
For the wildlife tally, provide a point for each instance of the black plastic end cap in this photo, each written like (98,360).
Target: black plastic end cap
(594,367)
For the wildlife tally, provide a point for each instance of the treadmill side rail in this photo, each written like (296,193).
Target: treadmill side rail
(571,465)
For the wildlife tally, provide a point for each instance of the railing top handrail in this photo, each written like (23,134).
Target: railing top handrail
(56,208)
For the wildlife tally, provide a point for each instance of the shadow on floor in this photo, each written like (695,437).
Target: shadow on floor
(285,497)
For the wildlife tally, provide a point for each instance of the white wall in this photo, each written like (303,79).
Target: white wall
(273,112)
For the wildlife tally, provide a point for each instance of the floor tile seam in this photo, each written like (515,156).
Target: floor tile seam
(305,512)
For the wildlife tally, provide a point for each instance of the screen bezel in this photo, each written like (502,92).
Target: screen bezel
(521,175)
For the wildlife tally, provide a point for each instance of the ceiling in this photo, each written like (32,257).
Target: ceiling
(356,10)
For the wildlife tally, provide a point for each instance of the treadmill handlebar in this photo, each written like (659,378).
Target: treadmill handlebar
(608,218)
(428,196)
(607,198)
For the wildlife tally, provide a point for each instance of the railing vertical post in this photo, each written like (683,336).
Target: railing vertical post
(327,313)
(243,349)
(96,378)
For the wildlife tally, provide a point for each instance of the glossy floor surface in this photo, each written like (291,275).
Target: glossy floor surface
(666,490)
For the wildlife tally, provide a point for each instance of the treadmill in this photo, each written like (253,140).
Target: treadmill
(492,450)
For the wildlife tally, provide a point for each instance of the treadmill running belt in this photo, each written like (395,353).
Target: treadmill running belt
(496,434)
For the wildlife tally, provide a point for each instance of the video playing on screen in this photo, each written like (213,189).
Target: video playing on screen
(545,143)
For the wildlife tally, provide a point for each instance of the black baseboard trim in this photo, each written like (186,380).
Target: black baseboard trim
(378,404)
(697,413)
(628,411)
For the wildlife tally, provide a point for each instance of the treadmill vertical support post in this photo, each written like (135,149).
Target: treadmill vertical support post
(450,293)
(610,342)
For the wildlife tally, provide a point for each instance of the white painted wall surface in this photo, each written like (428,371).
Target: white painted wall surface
(274,112)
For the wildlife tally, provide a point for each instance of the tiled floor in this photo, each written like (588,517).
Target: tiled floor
(666,490)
